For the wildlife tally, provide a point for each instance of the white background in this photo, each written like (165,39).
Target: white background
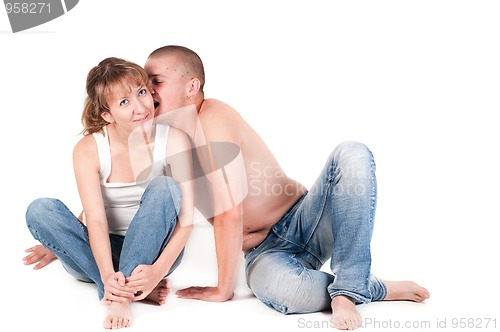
(417,81)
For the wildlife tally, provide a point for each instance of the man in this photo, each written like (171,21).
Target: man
(286,231)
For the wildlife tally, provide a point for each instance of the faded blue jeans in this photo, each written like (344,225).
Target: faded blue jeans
(58,229)
(333,220)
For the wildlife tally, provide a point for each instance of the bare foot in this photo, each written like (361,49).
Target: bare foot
(345,316)
(405,291)
(159,294)
(118,316)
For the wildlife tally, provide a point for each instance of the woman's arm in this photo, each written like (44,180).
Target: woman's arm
(39,255)
(181,166)
(86,168)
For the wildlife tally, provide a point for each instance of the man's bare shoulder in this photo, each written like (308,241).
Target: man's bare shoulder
(214,110)
(220,121)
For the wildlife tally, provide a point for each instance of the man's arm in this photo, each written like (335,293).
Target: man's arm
(220,126)
(228,234)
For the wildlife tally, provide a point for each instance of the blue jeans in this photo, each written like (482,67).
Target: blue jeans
(334,220)
(58,229)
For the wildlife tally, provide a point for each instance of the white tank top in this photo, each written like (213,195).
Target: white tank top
(122,200)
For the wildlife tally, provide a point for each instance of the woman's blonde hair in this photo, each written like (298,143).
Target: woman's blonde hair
(110,76)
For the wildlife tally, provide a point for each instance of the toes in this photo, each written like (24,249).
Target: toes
(107,325)
(114,322)
(341,325)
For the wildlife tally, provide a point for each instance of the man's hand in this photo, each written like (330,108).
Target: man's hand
(211,294)
(39,254)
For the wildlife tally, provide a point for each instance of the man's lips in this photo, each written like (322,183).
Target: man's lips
(156,104)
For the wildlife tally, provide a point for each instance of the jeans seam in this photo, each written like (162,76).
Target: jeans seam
(45,243)
(373,193)
(316,223)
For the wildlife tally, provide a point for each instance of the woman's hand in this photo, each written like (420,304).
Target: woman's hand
(115,289)
(39,254)
(144,279)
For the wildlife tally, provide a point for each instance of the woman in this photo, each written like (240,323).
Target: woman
(135,224)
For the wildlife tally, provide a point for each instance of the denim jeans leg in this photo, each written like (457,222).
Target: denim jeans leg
(333,220)
(284,283)
(346,195)
(59,230)
(152,225)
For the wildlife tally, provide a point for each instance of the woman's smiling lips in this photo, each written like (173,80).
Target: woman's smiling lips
(143,119)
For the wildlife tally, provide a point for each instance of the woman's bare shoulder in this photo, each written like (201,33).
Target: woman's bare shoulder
(86,146)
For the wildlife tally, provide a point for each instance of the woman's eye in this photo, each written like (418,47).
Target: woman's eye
(124,102)
(142,92)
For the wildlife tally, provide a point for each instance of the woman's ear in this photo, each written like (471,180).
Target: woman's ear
(107,117)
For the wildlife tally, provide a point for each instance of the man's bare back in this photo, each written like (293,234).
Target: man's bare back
(270,192)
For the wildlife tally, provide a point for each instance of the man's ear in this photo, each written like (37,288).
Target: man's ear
(107,117)
(192,87)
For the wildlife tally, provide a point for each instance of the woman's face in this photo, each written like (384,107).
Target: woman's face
(130,109)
